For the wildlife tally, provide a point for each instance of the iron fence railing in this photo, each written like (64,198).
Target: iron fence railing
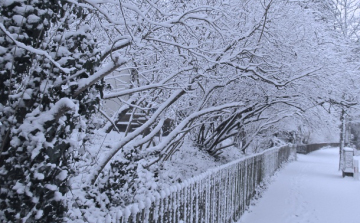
(219,195)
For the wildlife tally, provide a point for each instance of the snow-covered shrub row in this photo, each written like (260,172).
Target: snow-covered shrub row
(46,54)
(218,195)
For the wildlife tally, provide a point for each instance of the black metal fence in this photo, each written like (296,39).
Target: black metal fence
(305,149)
(219,195)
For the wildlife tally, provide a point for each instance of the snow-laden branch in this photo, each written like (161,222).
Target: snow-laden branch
(110,120)
(137,132)
(267,124)
(119,43)
(133,90)
(235,120)
(277,84)
(209,92)
(107,69)
(304,74)
(150,136)
(179,128)
(192,12)
(170,22)
(94,6)
(146,87)
(35,51)
(173,44)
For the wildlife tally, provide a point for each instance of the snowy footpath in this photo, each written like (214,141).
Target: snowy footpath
(309,190)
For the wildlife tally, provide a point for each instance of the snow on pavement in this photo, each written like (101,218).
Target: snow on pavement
(309,190)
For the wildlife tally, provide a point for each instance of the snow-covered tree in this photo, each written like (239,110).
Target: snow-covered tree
(343,17)
(220,70)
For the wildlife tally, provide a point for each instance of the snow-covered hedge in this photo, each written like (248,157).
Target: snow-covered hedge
(219,195)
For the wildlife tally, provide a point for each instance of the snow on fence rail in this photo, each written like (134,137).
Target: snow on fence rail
(218,195)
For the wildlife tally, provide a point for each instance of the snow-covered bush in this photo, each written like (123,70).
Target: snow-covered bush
(44,50)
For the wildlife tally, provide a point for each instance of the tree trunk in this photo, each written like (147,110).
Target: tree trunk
(342,137)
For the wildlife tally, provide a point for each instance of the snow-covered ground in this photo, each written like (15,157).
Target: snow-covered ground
(309,190)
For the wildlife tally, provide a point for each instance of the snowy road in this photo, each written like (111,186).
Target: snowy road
(309,190)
